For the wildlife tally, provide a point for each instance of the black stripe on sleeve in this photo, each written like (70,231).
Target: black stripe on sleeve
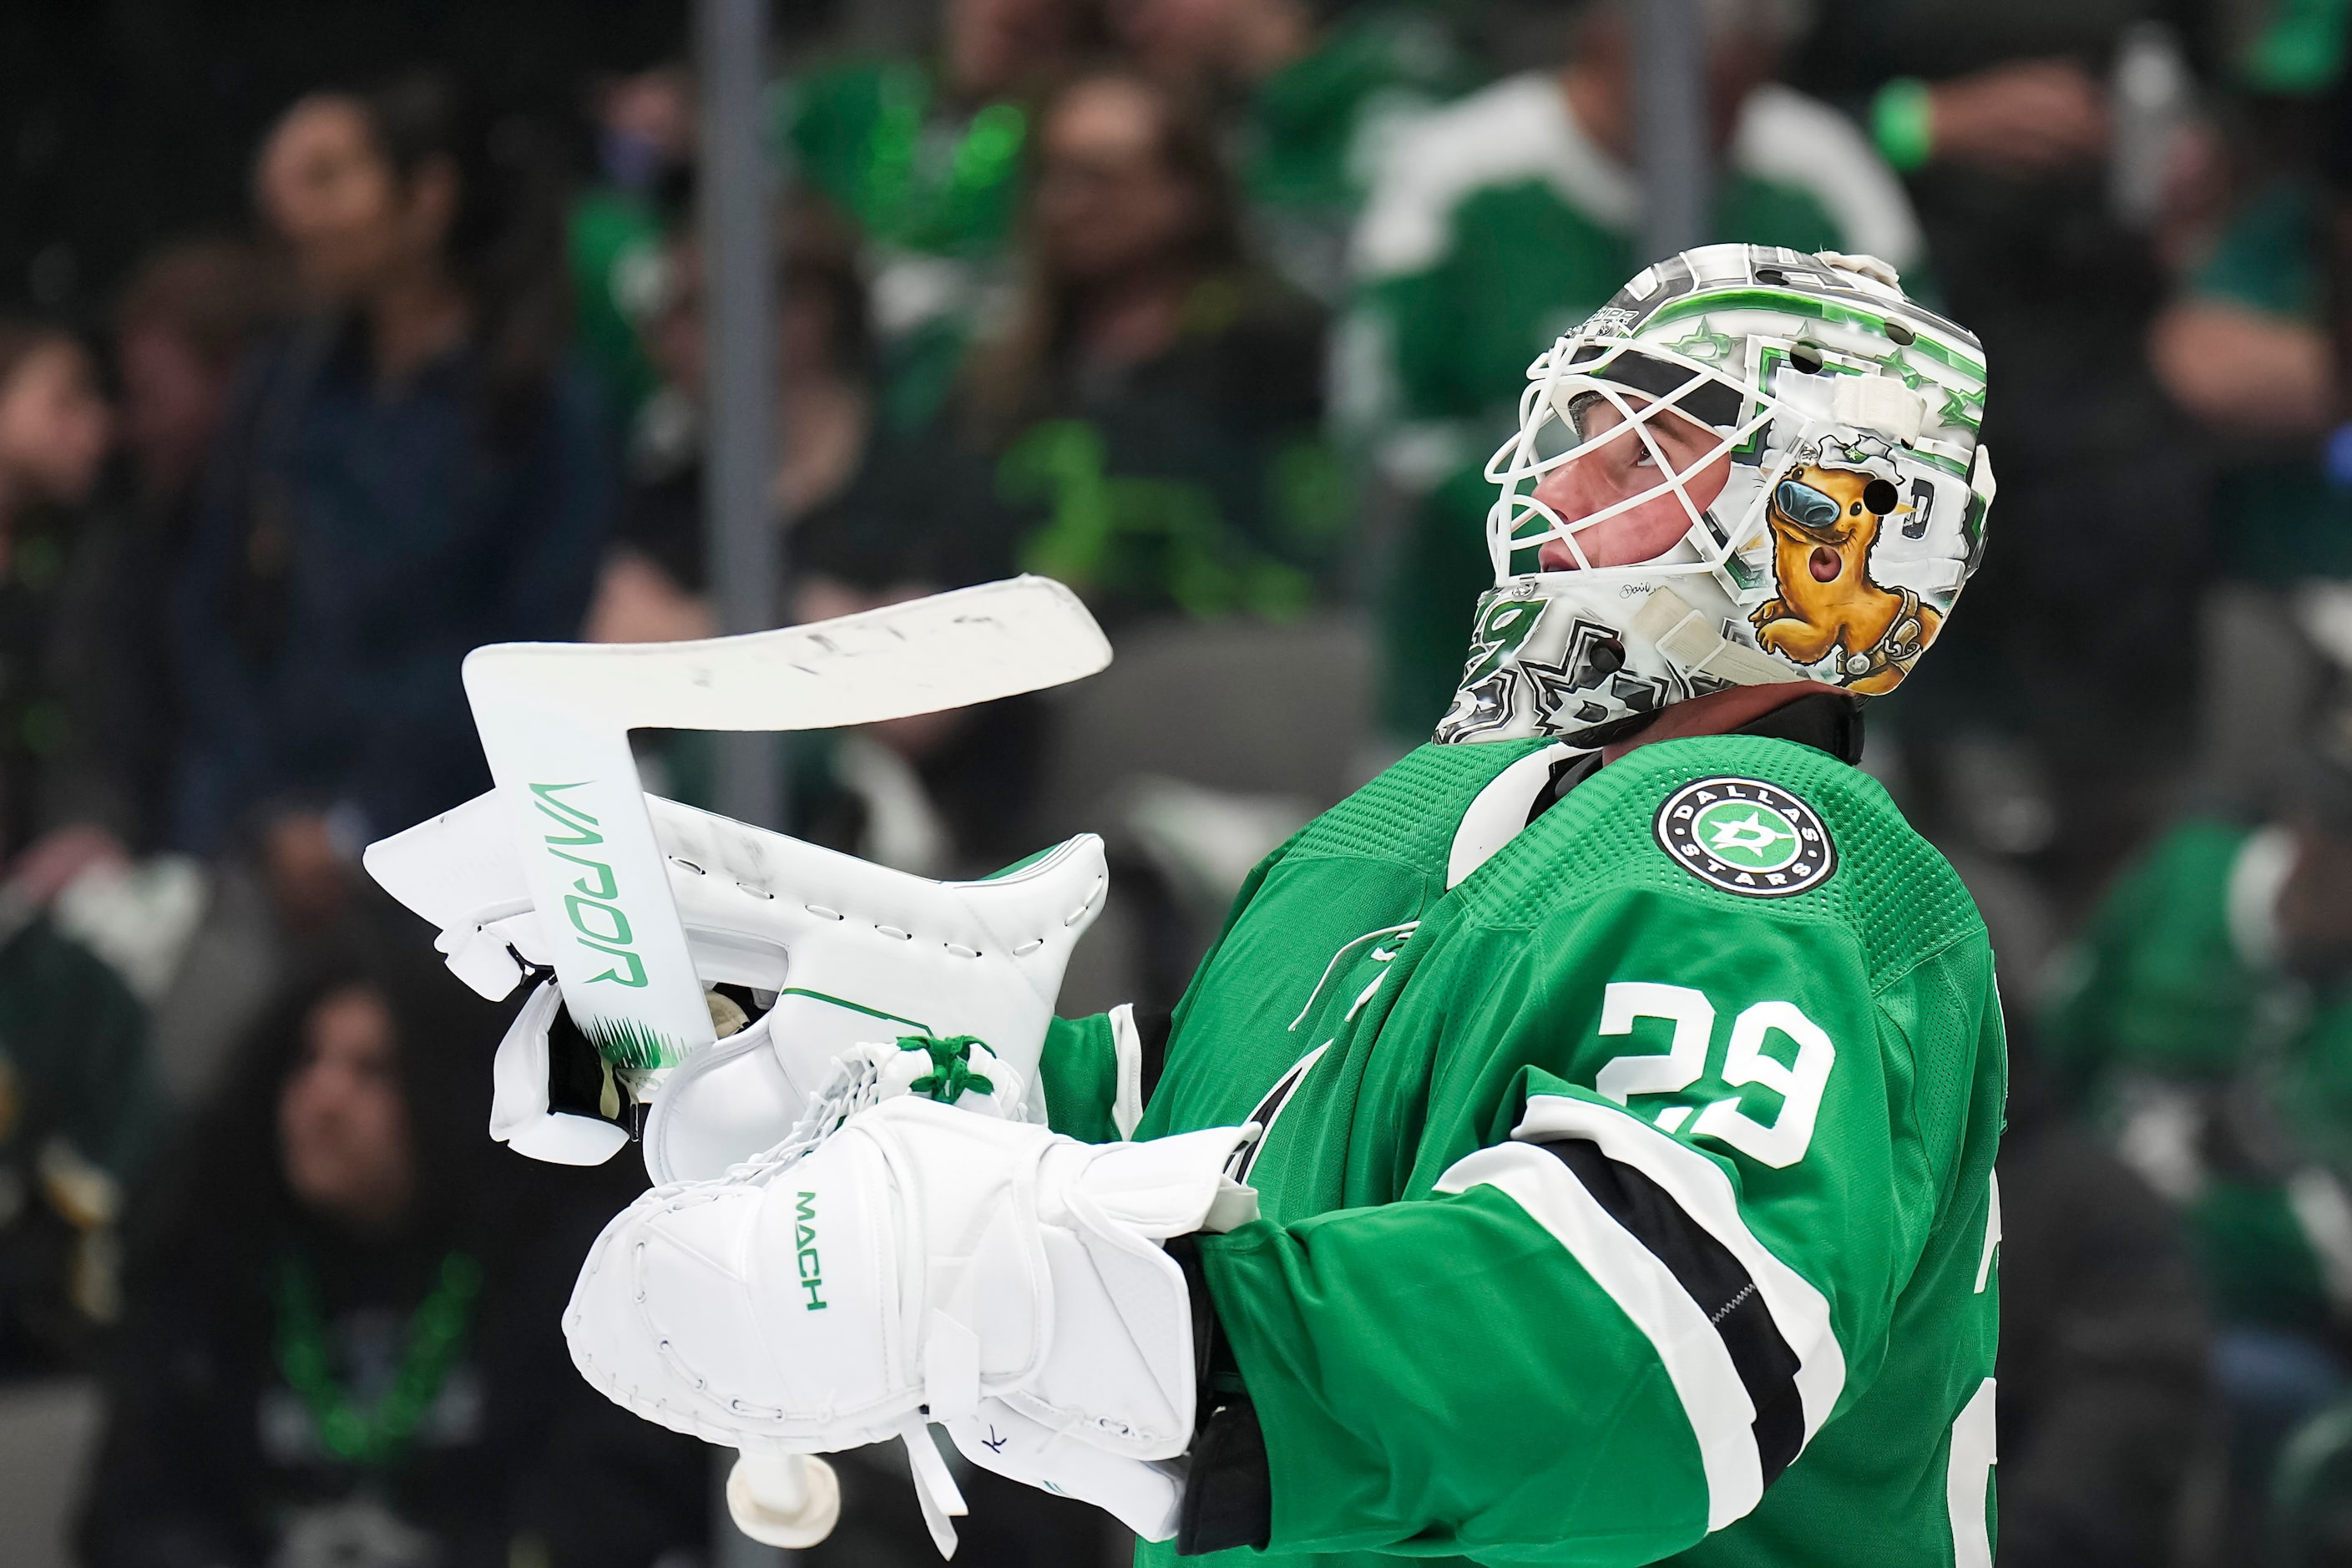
(1714,1280)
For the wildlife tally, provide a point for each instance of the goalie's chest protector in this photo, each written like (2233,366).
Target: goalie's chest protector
(1283,1021)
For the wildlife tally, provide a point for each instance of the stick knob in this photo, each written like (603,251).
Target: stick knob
(792,1500)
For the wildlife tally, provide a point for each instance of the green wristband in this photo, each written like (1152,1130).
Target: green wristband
(1903,122)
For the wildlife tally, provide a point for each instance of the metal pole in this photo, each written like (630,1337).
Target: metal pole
(737,231)
(738,521)
(739,530)
(1671,120)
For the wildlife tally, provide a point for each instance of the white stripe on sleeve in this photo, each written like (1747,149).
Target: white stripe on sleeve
(1968,1479)
(1699,1186)
(1713,1398)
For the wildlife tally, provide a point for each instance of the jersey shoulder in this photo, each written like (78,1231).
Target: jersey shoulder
(1414,812)
(1743,828)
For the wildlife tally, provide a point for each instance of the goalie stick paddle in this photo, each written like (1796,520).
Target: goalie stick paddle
(555,718)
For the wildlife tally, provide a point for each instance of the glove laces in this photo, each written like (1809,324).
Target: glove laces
(855,1084)
(860,1080)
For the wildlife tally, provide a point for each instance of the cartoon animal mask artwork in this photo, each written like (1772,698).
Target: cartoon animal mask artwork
(1825,522)
(1816,432)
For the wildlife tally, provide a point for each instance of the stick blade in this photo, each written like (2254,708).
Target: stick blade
(950,650)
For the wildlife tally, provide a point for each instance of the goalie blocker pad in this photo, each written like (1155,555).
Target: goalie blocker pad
(853,952)
(555,718)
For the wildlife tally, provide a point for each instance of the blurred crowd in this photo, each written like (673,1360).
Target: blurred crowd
(1213,310)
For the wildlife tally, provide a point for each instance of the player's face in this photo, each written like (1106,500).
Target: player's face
(1608,468)
(343,1123)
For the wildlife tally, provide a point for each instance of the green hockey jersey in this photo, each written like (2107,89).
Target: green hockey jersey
(1626,1178)
(1314,129)
(1499,222)
(914,174)
(933,186)
(2224,1080)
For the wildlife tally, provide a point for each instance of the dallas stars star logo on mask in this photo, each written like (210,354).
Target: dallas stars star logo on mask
(1744,836)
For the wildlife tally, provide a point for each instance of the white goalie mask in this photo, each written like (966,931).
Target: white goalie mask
(1785,484)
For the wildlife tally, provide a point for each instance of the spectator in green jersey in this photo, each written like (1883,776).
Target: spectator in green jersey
(2205,1023)
(1153,404)
(1508,218)
(1322,85)
(924,157)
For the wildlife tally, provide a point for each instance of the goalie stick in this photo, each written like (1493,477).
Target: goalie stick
(554,719)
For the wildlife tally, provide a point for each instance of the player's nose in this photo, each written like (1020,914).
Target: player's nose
(1555,555)
(1565,492)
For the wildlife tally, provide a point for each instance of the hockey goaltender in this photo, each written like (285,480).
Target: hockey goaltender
(1577,1147)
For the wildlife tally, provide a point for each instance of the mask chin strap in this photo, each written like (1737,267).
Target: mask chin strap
(1826,720)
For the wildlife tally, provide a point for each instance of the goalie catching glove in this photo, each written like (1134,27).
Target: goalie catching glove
(923,1264)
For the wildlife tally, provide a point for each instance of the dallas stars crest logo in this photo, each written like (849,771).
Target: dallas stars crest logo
(1747,837)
